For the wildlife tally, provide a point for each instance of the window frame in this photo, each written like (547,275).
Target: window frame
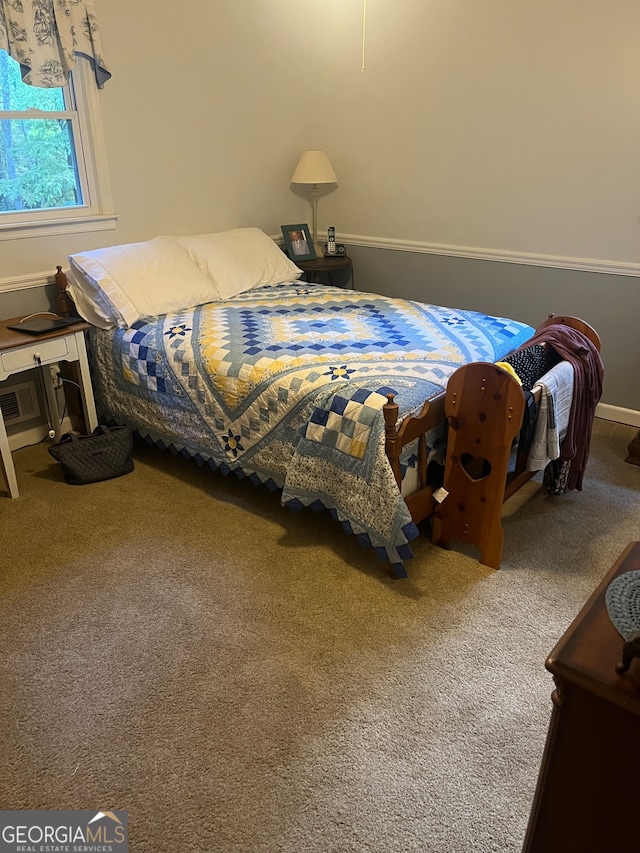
(96,212)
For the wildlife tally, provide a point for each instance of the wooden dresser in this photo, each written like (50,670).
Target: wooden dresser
(586,799)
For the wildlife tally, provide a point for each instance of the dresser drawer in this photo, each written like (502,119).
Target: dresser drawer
(15,360)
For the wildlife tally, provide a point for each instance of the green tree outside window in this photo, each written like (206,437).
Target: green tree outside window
(38,166)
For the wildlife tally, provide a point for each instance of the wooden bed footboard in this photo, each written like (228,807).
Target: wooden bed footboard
(484,407)
(502,425)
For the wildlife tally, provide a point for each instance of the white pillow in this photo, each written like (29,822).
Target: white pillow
(89,302)
(240,259)
(138,280)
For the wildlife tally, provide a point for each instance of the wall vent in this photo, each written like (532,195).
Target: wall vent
(19,403)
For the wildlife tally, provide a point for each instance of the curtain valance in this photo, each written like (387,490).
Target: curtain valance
(46,36)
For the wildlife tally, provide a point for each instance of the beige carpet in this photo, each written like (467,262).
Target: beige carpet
(242,679)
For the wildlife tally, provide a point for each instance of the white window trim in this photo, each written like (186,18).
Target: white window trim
(100,216)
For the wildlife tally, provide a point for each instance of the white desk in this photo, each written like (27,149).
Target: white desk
(19,352)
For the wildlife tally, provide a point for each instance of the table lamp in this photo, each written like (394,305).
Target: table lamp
(314,168)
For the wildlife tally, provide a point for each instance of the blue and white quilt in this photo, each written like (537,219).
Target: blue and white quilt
(285,384)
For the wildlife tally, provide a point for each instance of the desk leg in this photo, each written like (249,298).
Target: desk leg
(88,403)
(7,461)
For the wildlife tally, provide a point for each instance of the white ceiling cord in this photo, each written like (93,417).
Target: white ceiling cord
(364,32)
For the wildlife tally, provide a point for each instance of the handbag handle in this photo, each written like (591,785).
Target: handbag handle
(101,429)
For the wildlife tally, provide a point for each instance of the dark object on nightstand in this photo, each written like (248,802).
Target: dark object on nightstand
(340,250)
(586,797)
(333,271)
(42,325)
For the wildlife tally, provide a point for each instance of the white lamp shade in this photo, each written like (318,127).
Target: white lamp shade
(314,168)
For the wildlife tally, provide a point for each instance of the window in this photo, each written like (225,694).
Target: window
(52,170)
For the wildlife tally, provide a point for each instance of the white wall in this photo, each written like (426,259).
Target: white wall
(199,127)
(501,124)
(504,126)
(497,124)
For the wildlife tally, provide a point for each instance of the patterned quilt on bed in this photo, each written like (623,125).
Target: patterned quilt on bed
(285,384)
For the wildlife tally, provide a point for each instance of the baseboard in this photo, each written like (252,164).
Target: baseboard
(616,413)
(27,437)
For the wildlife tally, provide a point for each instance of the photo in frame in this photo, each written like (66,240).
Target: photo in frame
(297,240)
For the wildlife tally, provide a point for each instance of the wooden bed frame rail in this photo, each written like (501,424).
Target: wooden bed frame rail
(421,503)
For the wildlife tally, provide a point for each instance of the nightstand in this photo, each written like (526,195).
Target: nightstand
(331,270)
(20,351)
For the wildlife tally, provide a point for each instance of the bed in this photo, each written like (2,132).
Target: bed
(213,348)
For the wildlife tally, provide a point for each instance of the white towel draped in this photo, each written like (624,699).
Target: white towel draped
(553,415)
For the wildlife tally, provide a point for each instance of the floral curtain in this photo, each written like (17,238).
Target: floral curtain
(46,36)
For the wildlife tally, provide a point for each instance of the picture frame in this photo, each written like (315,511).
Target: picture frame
(298,242)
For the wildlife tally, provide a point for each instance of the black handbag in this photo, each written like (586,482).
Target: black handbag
(103,455)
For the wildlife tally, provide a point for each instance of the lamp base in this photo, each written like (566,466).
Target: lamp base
(318,249)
